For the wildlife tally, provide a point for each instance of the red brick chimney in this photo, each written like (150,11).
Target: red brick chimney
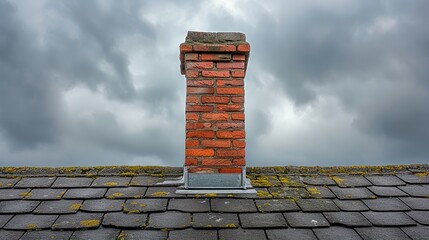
(215,66)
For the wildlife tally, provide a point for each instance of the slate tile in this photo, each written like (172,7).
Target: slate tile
(123,220)
(417,178)
(385,204)
(264,181)
(417,233)
(77,221)
(18,206)
(145,181)
(13,194)
(232,205)
(291,181)
(102,205)
(84,193)
(72,182)
(261,193)
(58,207)
(416,190)
(128,192)
(192,234)
(387,191)
(302,220)
(96,234)
(351,181)
(287,192)
(389,219)
(290,233)
(47,234)
(189,205)
(348,219)
(320,192)
(317,205)
(352,193)
(111,182)
(45,194)
(4,219)
(163,192)
(318,180)
(421,217)
(215,220)
(169,220)
(416,203)
(145,205)
(385,180)
(142,234)
(262,220)
(30,222)
(351,205)
(241,234)
(35,182)
(377,233)
(276,205)
(8,182)
(335,232)
(10,235)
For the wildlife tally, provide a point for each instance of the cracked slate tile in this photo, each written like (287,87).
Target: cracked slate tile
(290,233)
(421,217)
(416,190)
(18,206)
(30,222)
(320,192)
(84,193)
(111,182)
(58,207)
(189,205)
(128,192)
(351,181)
(163,192)
(416,203)
(336,232)
(318,180)
(262,220)
(389,219)
(351,205)
(123,220)
(145,205)
(232,205)
(8,182)
(302,220)
(348,219)
(13,194)
(352,193)
(387,191)
(287,192)
(385,180)
(417,178)
(47,234)
(276,205)
(317,205)
(11,235)
(386,204)
(96,234)
(417,233)
(45,194)
(241,234)
(215,220)
(35,182)
(72,182)
(142,234)
(169,220)
(145,181)
(377,233)
(4,219)
(102,205)
(192,234)
(77,221)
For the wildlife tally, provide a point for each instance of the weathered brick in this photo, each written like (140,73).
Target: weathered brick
(200,83)
(230,134)
(199,108)
(221,74)
(192,116)
(239,162)
(192,143)
(230,107)
(191,73)
(214,48)
(239,57)
(238,73)
(200,152)
(215,57)
(230,91)
(234,82)
(245,47)
(230,170)
(192,99)
(199,90)
(215,116)
(230,153)
(191,161)
(200,134)
(221,65)
(239,143)
(199,65)
(237,116)
(216,143)
(214,99)
(216,162)
(192,56)
(184,47)
(198,125)
(237,99)
(230,125)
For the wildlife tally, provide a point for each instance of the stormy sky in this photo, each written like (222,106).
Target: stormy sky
(329,82)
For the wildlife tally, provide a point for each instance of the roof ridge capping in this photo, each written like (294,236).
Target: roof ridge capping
(215,37)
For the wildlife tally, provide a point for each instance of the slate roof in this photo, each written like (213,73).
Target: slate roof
(390,202)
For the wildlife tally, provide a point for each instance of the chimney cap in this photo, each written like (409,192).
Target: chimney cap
(215,37)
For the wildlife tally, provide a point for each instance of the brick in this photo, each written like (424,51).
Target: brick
(237,116)
(215,57)
(214,48)
(199,108)
(198,125)
(230,170)
(200,152)
(238,57)
(192,56)
(192,116)
(191,161)
(199,90)
(200,83)
(200,134)
(216,162)
(192,99)
(239,143)
(239,162)
(231,125)
(221,65)
(199,65)
(245,47)
(230,134)
(230,107)
(238,82)
(216,143)
(184,47)
(192,143)
(223,73)
(237,99)
(191,73)
(230,153)
(214,99)
(230,91)
(215,116)
(238,73)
